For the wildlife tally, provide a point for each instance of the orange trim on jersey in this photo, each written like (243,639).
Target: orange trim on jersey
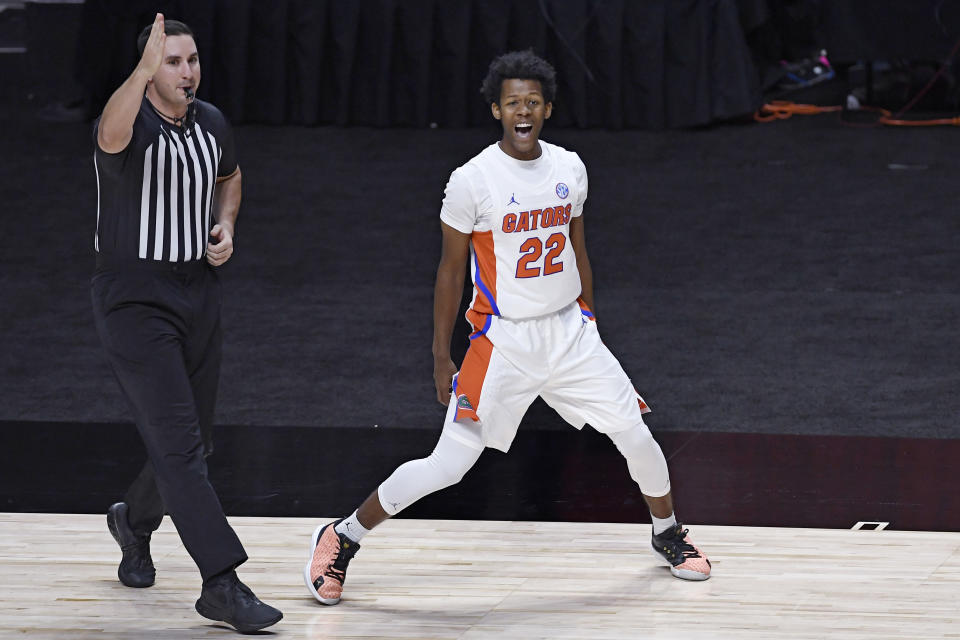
(477,320)
(471,376)
(585,310)
(485,276)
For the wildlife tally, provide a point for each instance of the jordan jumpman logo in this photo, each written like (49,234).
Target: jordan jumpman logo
(513,201)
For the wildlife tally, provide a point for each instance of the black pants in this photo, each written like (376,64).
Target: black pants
(160,326)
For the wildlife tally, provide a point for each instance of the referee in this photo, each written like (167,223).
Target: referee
(166,171)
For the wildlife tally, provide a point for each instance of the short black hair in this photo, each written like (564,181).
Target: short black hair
(170,27)
(524,65)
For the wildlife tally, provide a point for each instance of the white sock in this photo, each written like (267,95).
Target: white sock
(352,528)
(662,524)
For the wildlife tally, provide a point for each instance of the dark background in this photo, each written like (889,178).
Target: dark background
(793,277)
(796,277)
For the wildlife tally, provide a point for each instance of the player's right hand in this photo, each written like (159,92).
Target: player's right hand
(443,372)
(153,51)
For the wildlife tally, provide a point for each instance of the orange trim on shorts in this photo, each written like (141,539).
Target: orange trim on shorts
(471,376)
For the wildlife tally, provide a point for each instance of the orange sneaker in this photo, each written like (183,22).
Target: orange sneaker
(685,560)
(326,568)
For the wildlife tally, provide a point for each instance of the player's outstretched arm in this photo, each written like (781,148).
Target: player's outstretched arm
(446,305)
(579,242)
(116,124)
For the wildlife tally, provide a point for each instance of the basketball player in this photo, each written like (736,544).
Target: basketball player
(514,212)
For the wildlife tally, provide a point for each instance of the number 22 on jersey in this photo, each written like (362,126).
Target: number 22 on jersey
(528,266)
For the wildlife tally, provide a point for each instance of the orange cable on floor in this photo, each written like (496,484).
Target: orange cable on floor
(781,110)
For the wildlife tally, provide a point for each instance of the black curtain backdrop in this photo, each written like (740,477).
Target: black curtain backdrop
(889,29)
(621,63)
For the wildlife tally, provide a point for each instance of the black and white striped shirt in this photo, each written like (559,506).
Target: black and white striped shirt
(155,198)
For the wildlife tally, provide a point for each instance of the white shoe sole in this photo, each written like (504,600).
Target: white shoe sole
(306,570)
(687,574)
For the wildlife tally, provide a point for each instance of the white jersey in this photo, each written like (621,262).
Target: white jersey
(518,214)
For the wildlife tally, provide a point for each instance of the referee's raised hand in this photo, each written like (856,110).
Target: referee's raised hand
(116,123)
(153,51)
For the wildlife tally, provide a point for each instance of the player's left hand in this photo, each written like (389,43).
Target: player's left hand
(443,372)
(219,253)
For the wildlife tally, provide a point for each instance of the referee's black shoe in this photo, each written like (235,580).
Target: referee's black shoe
(225,598)
(136,567)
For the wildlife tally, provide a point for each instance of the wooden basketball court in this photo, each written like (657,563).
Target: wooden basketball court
(473,579)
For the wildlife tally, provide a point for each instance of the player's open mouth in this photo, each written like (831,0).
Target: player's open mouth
(524,129)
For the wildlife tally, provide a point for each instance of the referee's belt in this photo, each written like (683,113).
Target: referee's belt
(113,262)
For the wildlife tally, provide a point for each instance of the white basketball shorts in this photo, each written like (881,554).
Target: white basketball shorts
(559,357)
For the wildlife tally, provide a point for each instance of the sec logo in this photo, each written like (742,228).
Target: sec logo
(562,190)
